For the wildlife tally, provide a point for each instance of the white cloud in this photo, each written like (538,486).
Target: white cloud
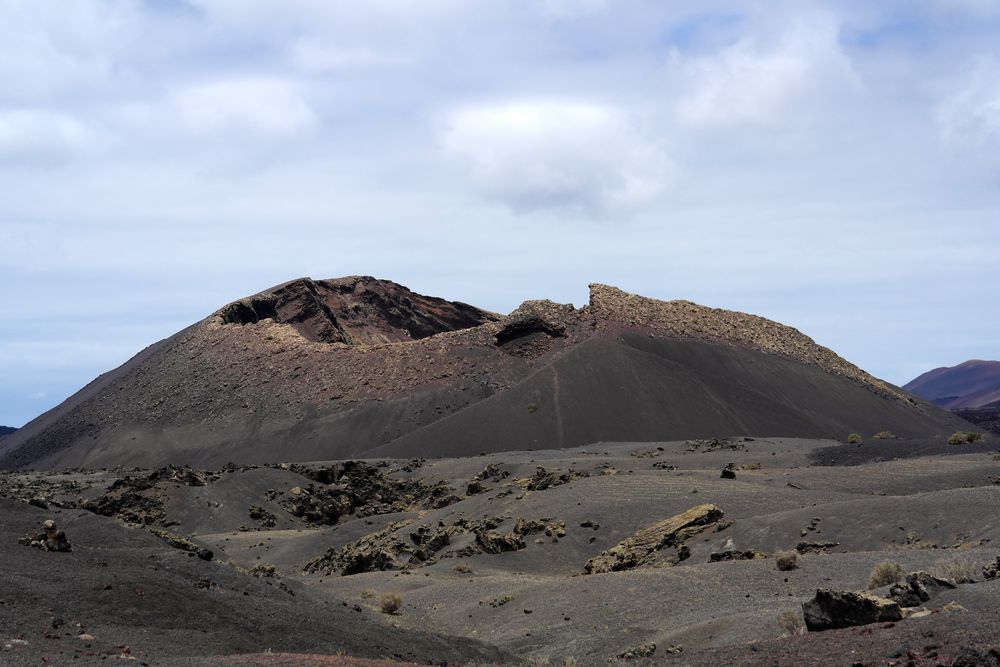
(33,135)
(50,47)
(541,154)
(759,78)
(269,106)
(571,9)
(970,116)
(319,56)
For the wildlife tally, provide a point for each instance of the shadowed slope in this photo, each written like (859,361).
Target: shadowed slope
(127,587)
(636,388)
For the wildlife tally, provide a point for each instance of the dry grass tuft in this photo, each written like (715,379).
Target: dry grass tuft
(463,568)
(964,438)
(885,435)
(791,623)
(884,574)
(786,560)
(958,569)
(390,603)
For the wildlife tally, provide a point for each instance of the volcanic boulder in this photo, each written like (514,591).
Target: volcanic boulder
(917,588)
(841,609)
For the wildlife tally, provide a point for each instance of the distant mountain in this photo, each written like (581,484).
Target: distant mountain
(973,384)
(359,367)
(6,430)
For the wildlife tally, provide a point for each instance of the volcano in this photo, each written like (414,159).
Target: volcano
(361,367)
(972,384)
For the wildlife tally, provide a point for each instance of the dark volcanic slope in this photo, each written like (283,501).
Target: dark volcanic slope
(6,430)
(973,384)
(130,589)
(330,369)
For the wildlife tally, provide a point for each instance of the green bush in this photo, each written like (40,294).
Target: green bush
(854,439)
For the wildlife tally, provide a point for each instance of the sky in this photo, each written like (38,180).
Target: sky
(834,166)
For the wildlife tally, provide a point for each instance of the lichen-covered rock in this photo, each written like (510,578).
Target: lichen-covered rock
(362,490)
(815,547)
(841,609)
(428,542)
(641,651)
(493,542)
(266,519)
(992,571)
(131,499)
(50,538)
(917,588)
(734,554)
(543,479)
(644,547)
(264,571)
(184,544)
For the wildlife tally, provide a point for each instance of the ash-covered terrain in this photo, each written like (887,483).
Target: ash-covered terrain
(345,472)
(620,551)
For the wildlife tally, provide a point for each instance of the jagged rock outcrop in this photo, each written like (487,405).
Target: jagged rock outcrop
(646,547)
(358,310)
(357,367)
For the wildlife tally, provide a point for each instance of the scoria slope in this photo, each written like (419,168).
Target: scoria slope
(354,367)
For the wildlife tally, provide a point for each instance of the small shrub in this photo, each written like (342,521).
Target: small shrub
(463,568)
(958,569)
(390,603)
(786,560)
(884,574)
(854,439)
(885,435)
(791,623)
(532,407)
(964,437)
